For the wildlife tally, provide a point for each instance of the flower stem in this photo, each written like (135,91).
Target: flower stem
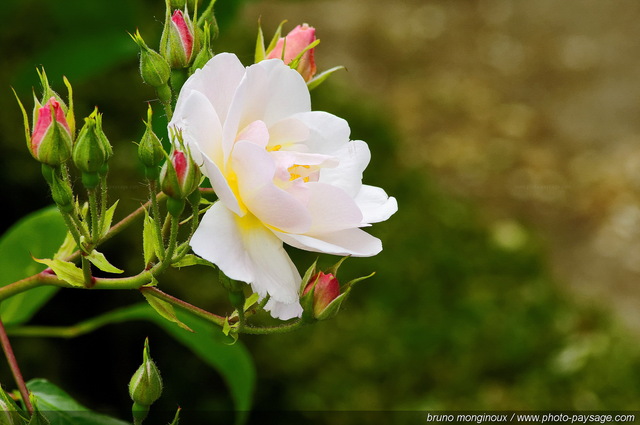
(155,209)
(197,311)
(287,327)
(15,369)
(86,271)
(95,219)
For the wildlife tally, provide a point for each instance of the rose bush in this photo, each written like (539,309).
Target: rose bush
(282,173)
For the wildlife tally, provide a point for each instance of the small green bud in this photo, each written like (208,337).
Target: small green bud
(61,193)
(154,69)
(205,54)
(89,154)
(145,386)
(150,150)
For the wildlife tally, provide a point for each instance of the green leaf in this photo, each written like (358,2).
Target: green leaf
(65,270)
(61,409)
(192,260)
(233,362)
(67,248)
(100,261)
(320,78)
(258,56)
(165,310)
(39,234)
(108,218)
(149,239)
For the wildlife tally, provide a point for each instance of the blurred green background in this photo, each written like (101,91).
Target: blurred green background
(506,132)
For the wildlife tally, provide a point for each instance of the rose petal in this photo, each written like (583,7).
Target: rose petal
(375,204)
(255,170)
(219,239)
(200,127)
(354,242)
(354,158)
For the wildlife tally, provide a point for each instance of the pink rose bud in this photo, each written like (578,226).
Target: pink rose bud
(178,40)
(51,138)
(180,175)
(297,41)
(326,288)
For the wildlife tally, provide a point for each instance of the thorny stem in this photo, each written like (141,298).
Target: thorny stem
(155,209)
(15,369)
(197,311)
(95,220)
(86,272)
(104,193)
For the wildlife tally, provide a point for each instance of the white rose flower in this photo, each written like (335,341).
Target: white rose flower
(282,173)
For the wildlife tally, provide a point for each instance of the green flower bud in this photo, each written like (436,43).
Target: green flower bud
(150,150)
(89,153)
(205,53)
(154,69)
(145,386)
(61,193)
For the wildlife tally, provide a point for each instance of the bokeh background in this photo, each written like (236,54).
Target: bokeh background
(509,133)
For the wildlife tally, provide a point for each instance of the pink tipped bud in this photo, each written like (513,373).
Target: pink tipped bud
(178,40)
(180,175)
(297,41)
(185,32)
(326,288)
(51,139)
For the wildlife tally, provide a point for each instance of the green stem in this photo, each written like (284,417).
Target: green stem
(155,209)
(287,327)
(173,240)
(197,311)
(15,369)
(86,271)
(95,219)
(73,229)
(104,194)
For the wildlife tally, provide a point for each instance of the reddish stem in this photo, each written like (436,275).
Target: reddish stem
(15,369)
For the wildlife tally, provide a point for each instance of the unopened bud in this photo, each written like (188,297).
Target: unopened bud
(145,386)
(205,53)
(325,289)
(154,69)
(150,150)
(180,175)
(89,151)
(61,193)
(296,49)
(178,42)
(51,140)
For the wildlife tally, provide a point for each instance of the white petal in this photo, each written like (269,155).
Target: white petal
(288,132)
(355,242)
(221,186)
(283,311)
(270,91)
(255,169)
(256,132)
(331,209)
(247,251)
(200,126)
(327,133)
(354,158)
(217,80)
(375,204)
(273,271)
(218,239)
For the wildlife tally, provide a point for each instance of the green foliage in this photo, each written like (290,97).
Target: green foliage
(59,408)
(38,234)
